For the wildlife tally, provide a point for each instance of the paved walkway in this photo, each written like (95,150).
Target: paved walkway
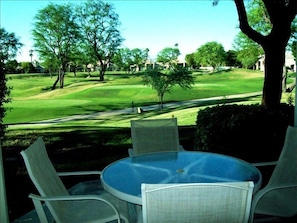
(194,102)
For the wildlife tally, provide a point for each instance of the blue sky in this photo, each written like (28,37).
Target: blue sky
(152,24)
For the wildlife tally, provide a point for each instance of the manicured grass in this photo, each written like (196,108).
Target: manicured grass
(33,99)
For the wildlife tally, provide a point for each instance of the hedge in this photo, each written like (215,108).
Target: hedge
(249,132)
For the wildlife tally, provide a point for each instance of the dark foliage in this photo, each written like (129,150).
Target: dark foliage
(250,132)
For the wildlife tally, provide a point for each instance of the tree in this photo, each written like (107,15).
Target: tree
(55,34)
(232,59)
(126,59)
(31,54)
(122,59)
(163,81)
(294,49)
(82,56)
(51,65)
(168,56)
(9,47)
(99,25)
(139,57)
(248,52)
(27,67)
(11,66)
(281,14)
(190,59)
(211,54)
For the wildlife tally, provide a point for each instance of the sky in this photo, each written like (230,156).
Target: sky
(152,24)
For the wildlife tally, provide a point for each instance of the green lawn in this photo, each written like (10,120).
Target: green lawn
(33,99)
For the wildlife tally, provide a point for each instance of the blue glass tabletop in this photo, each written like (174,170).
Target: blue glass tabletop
(124,177)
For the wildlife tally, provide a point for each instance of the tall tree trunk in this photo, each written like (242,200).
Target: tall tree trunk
(161,101)
(62,75)
(102,71)
(273,69)
(61,79)
(101,75)
(56,82)
(281,14)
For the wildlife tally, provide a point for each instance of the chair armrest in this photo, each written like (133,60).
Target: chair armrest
(37,199)
(68,198)
(271,163)
(262,192)
(283,186)
(268,189)
(79,173)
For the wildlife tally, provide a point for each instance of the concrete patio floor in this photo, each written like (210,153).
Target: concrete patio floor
(95,187)
(31,217)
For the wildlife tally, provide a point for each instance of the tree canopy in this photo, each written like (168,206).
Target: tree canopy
(211,54)
(280,14)
(68,35)
(168,55)
(55,34)
(130,60)
(10,45)
(163,81)
(190,59)
(99,26)
(248,51)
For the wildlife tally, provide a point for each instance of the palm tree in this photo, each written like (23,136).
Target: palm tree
(31,54)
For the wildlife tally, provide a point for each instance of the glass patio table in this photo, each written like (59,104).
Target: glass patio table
(123,178)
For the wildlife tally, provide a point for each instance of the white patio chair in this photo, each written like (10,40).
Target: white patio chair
(154,135)
(197,202)
(279,197)
(65,207)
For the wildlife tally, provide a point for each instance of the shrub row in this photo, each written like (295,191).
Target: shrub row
(249,132)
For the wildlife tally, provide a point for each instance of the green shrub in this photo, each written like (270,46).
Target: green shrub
(249,132)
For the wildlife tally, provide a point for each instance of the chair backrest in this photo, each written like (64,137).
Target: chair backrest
(284,174)
(197,202)
(286,169)
(154,135)
(43,175)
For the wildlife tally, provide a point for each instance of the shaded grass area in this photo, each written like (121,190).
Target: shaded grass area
(70,150)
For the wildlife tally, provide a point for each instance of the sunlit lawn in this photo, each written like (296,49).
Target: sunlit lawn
(33,99)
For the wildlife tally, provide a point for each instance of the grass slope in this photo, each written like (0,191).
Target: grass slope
(33,99)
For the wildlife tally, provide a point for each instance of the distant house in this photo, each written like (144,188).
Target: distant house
(289,62)
(37,67)
(152,64)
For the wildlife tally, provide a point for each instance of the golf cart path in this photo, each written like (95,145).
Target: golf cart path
(194,102)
